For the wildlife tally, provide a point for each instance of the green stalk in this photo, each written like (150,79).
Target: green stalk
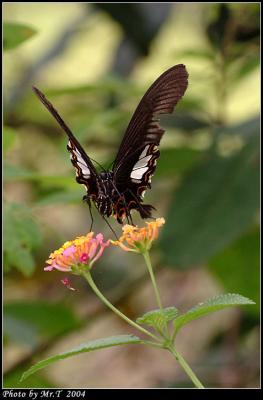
(92,284)
(186,368)
(147,259)
(150,269)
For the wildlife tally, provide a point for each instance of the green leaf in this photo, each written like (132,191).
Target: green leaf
(9,135)
(104,86)
(216,203)
(15,34)
(63,196)
(245,129)
(15,173)
(201,53)
(217,29)
(11,380)
(233,265)
(83,348)
(45,319)
(158,318)
(19,257)
(211,305)
(247,65)
(177,161)
(19,331)
(185,121)
(21,237)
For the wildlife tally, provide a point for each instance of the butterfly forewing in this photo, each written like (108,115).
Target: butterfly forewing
(122,189)
(160,98)
(135,162)
(85,171)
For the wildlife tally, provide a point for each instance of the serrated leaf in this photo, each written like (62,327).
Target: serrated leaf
(83,348)
(158,318)
(211,305)
(15,34)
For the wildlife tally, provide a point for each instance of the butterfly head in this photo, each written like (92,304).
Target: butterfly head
(106,175)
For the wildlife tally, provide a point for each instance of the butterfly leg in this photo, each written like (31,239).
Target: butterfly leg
(145,210)
(127,211)
(87,200)
(107,222)
(126,208)
(89,204)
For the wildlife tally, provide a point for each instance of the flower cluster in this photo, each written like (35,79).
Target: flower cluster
(137,239)
(84,250)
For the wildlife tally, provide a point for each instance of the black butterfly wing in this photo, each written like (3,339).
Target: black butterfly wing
(85,171)
(135,162)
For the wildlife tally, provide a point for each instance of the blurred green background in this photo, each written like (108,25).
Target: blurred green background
(94,62)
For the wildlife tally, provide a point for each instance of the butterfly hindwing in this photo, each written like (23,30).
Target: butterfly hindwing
(83,172)
(144,168)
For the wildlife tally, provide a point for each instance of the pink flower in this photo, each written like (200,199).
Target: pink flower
(84,250)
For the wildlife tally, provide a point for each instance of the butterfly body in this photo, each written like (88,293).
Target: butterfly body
(106,193)
(120,190)
(109,200)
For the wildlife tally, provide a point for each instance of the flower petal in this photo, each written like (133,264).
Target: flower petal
(83,250)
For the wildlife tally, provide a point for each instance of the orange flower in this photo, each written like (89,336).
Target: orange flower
(137,239)
(84,250)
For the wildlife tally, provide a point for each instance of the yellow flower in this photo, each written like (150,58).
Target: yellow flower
(82,250)
(137,239)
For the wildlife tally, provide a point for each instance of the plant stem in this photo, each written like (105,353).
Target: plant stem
(186,367)
(92,284)
(147,259)
(178,357)
(150,269)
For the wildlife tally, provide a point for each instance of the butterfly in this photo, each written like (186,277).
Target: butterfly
(121,189)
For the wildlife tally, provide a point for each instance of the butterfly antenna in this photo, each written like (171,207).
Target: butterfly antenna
(110,165)
(92,159)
